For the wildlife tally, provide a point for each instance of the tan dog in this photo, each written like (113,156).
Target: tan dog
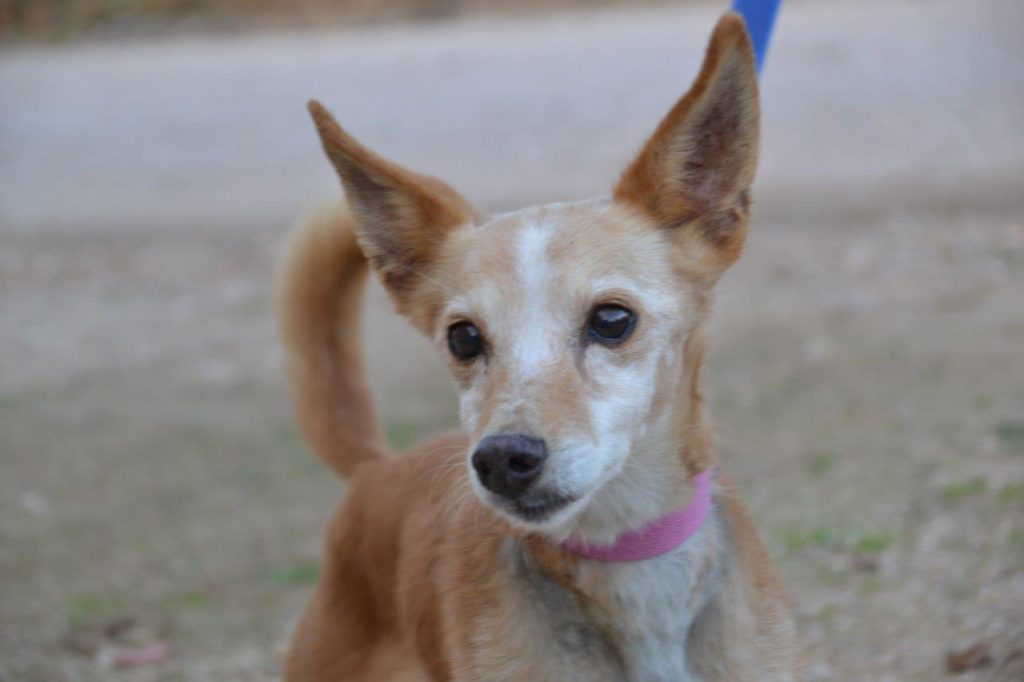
(575,334)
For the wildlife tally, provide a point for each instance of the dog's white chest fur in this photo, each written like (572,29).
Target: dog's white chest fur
(656,601)
(638,626)
(654,621)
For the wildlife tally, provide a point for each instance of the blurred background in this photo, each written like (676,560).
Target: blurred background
(161,520)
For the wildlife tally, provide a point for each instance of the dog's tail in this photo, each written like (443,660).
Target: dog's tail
(320,284)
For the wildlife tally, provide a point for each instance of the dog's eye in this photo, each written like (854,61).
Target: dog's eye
(465,341)
(611,323)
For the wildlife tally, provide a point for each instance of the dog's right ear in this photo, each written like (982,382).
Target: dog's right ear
(401,217)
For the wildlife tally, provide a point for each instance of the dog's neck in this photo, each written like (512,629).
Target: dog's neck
(658,537)
(653,486)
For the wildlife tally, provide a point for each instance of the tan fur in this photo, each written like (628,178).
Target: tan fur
(318,299)
(424,578)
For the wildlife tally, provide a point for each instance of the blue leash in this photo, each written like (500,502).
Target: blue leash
(760,18)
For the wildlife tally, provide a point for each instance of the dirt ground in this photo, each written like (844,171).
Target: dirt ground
(868,364)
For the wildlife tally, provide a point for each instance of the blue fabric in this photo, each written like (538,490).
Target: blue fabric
(760,18)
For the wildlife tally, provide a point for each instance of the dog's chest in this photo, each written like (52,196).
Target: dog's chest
(634,627)
(650,608)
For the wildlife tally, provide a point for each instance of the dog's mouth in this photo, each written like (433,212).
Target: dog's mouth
(534,507)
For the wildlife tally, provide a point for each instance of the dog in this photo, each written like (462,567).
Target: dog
(580,529)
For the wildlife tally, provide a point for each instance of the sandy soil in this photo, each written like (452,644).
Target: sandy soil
(868,373)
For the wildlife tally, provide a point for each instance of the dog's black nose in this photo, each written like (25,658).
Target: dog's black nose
(506,464)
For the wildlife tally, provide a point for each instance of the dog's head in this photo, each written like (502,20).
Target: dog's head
(573,332)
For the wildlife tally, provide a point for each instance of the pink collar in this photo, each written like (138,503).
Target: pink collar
(657,537)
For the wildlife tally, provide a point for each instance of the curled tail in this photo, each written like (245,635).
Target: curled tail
(319,291)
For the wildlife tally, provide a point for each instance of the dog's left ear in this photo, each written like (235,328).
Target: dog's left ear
(402,217)
(694,174)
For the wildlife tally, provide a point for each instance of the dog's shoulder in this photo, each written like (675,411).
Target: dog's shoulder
(773,625)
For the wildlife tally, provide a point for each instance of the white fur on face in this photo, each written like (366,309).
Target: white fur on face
(533,346)
(533,310)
